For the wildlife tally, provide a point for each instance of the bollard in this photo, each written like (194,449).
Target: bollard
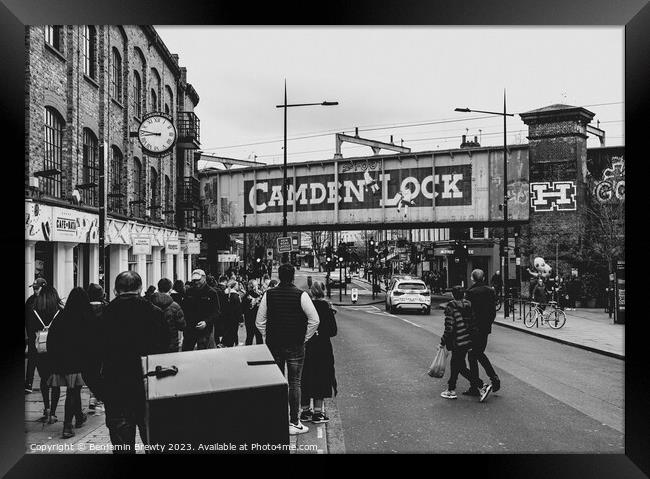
(355,295)
(309,281)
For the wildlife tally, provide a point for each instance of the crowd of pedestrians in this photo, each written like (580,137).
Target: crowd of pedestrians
(88,341)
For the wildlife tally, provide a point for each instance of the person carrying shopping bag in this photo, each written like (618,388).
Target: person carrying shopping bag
(457,339)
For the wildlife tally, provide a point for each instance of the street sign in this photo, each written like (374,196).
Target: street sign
(284,244)
(141,245)
(295,242)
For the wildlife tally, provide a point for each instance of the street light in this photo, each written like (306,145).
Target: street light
(504,254)
(284,169)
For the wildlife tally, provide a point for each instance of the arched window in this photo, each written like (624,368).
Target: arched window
(89,176)
(169,100)
(116,75)
(89,50)
(138,189)
(168,199)
(154,100)
(155,195)
(167,108)
(53,36)
(137,94)
(53,160)
(115,193)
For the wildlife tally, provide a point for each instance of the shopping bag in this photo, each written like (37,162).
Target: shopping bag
(437,368)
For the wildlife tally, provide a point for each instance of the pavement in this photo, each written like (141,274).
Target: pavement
(93,436)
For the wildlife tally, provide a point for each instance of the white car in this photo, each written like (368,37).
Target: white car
(405,292)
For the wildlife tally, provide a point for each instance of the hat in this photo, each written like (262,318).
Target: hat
(38,282)
(198,274)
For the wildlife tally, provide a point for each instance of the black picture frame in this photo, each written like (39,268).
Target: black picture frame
(633,14)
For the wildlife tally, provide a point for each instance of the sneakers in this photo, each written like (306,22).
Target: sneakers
(299,428)
(496,384)
(448,394)
(472,392)
(306,415)
(28,389)
(485,391)
(319,418)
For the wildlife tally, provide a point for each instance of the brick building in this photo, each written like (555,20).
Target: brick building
(87,89)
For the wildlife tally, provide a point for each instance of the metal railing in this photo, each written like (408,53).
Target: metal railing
(187,193)
(189,127)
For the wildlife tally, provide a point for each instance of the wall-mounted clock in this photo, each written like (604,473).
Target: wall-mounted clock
(157,134)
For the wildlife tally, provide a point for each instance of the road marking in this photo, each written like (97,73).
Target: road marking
(319,432)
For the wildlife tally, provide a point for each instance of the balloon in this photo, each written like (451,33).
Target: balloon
(539,263)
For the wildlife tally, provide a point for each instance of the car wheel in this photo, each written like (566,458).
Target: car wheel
(392,309)
(427,311)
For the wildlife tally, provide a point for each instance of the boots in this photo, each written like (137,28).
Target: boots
(68,432)
(80,420)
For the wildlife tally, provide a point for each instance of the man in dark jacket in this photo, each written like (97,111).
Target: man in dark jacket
(98,305)
(483,301)
(287,319)
(201,307)
(130,327)
(172,313)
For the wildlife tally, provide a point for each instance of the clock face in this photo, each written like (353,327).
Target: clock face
(157,134)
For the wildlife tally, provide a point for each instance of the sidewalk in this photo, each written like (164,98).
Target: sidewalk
(589,329)
(93,436)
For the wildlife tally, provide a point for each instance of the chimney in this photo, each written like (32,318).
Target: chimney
(476,140)
(462,144)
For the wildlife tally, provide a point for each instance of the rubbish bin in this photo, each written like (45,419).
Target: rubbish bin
(205,407)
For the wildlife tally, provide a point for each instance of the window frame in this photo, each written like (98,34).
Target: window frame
(89,51)
(137,94)
(53,129)
(53,36)
(154,180)
(116,75)
(89,166)
(138,188)
(115,180)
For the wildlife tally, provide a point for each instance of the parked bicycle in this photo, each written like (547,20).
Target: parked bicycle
(552,315)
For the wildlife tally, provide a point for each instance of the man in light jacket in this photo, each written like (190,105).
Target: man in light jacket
(287,319)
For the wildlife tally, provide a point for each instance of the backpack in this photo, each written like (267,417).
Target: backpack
(41,335)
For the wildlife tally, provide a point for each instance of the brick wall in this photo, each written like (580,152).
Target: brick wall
(57,80)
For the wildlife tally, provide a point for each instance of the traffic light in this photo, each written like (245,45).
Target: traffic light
(294,257)
(502,248)
(259,254)
(517,251)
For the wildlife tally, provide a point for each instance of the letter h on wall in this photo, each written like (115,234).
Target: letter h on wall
(553,196)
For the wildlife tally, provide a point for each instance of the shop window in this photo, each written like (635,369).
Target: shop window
(53,161)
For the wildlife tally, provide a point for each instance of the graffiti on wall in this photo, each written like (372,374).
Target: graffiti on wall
(553,196)
(612,184)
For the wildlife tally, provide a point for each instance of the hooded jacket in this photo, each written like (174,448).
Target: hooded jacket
(483,299)
(174,318)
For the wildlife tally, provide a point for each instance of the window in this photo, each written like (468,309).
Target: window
(137,95)
(116,76)
(89,51)
(138,189)
(53,36)
(168,199)
(115,186)
(155,196)
(89,174)
(54,125)
(167,108)
(154,100)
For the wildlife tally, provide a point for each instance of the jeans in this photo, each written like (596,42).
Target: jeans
(251,330)
(294,357)
(457,366)
(121,422)
(31,366)
(477,355)
(201,342)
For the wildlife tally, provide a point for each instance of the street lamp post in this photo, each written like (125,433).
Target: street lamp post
(245,269)
(284,168)
(504,253)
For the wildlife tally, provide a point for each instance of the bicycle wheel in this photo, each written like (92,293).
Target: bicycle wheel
(530,318)
(556,319)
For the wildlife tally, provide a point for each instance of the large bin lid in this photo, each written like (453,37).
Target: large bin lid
(212,370)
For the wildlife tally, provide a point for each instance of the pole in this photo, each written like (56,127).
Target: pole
(506,275)
(340,280)
(245,269)
(102,217)
(284,175)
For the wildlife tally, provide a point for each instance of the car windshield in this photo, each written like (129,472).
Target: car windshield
(412,286)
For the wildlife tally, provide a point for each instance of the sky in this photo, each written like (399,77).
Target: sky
(389,79)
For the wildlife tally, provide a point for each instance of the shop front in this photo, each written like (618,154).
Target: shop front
(457,268)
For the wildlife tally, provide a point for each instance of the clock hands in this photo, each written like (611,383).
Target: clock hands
(149,133)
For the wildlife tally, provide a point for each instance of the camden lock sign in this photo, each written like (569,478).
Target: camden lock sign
(389,189)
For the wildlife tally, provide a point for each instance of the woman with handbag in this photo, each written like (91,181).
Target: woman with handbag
(457,339)
(69,345)
(318,375)
(46,307)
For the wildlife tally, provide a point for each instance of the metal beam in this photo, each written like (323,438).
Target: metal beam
(375,145)
(227,162)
